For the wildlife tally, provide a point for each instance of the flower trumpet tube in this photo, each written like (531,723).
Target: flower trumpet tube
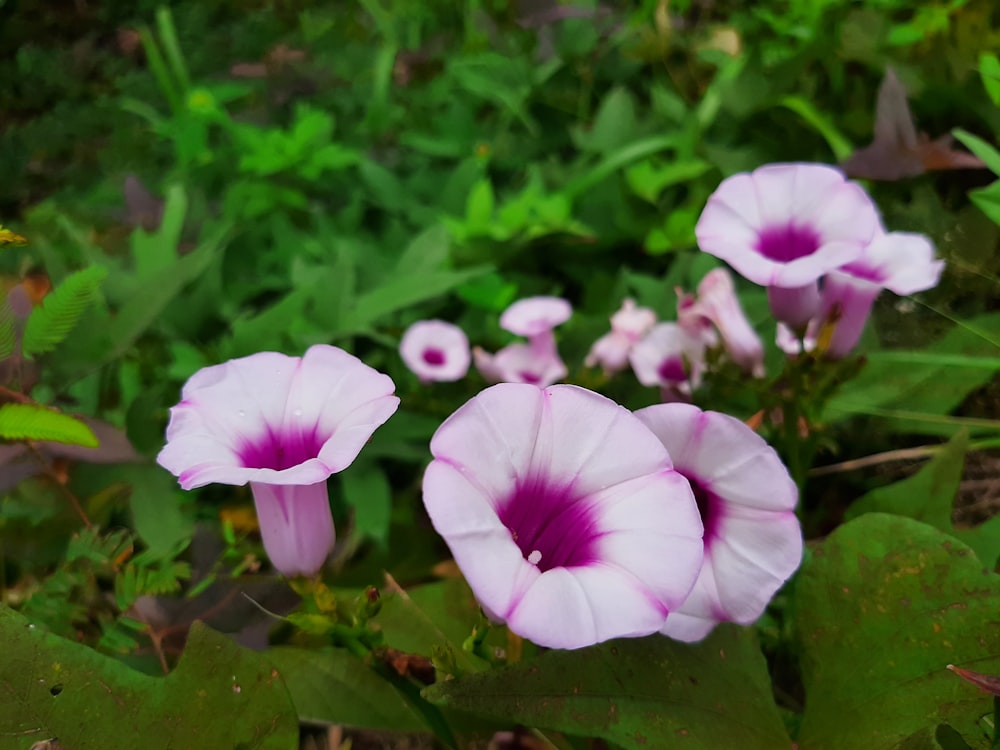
(283,424)
(563,512)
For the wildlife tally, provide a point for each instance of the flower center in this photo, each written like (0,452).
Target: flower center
(671,370)
(433,356)
(787,243)
(709,505)
(551,526)
(530,377)
(280,451)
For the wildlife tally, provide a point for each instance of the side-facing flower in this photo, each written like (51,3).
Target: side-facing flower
(283,424)
(520,363)
(901,262)
(628,326)
(785,225)
(436,351)
(753,541)
(532,316)
(563,512)
(718,302)
(669,357)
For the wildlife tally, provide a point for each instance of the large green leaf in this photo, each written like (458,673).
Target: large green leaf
(651,692)
(883,606)
(219,696)
(37,422)
(922,386)
(336,687)
(928,496)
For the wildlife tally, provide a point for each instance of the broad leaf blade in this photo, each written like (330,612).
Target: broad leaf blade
(885,604)
(218,696)
(650,692)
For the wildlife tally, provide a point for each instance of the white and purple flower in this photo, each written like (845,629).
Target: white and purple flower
(283,424)
(562,510)
(672,358)
(785,225)
(537,362)
(746,497)
(436,351)
(628,326)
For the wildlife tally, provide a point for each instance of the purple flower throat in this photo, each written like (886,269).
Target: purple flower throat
(552,526)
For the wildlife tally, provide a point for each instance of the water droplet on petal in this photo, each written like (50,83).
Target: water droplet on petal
(242,413)
(297,412)
(535,557)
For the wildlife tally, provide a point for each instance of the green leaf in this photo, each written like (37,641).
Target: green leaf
(428,251)
(987,200)
(982,149)
(36,422)
(838,143)
(934,381)
(155,252)
(928,495)
(157,511)
(367,491)
(435,615)
(989,70)
(335,687)
(883,606)
(651,692)
(219,695)
(479,206)
(614,125)
(399,292)
(648,180)
(59,312)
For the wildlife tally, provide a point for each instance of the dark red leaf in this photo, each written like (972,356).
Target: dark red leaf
(898,151)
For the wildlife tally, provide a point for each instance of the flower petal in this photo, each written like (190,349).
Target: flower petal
(534,315)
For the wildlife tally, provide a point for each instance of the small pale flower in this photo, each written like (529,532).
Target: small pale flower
(628,325)
(563,513)
(753,541)
(671,358)
(785,225)
(283,424)
(520,363)
(436,351)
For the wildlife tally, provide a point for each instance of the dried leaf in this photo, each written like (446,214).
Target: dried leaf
(898,150)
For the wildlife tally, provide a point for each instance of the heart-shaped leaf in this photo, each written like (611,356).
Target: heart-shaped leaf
(884,606)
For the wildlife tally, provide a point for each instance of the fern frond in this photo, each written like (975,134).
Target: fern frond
(37,422)
(51,323)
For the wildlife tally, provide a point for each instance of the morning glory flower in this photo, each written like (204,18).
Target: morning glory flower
(753,541)
(901,262)
(563,512)
(785,225)
(628,326)
(435,351)
(670,357)
(537,362)
(283,424)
